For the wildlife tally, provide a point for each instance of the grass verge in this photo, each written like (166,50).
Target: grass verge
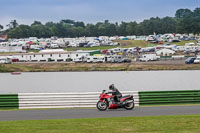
(158,124)
(59,67)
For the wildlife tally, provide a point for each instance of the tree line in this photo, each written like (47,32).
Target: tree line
(185,21)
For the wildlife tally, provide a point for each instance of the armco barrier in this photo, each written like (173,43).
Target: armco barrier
(89,99)
(8,101)
(63,100)
(169,97)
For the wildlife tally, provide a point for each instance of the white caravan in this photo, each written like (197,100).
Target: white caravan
(5,60)
(149,57)
(95,59)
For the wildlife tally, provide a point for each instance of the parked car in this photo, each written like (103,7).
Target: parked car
(78,60)
(147,49)
(125,60)
(15,60)
(190,60)
(197,60)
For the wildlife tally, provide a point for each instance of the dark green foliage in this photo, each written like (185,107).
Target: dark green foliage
(13,24)
(1,27)
(36,23)
(188,21)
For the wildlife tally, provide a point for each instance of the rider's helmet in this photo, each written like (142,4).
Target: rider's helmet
(111,87)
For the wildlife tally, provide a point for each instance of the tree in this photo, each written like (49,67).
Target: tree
(112,30)
(40,31)
(1,27)
(196,12)
(79,24)
(168,25)
(196,20)
(121,29)
(68,21)
(131,28)
(181,13)
(13,24)
(91,30)
(36,23)
(188,21)
(22,31)
(101,29)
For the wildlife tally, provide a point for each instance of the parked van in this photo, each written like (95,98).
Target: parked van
(108,59)
(116,58)
(95,59)
(4,60)
(149,57)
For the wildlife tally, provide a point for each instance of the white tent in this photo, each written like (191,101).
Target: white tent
(165,52)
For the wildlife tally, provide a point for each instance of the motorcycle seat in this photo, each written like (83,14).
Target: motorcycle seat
(125,96)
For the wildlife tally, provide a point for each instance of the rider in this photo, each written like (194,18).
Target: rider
(115,92)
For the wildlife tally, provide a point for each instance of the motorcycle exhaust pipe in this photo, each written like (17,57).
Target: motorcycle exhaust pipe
(130,101)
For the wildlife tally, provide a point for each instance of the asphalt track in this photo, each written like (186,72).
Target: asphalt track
(94,113)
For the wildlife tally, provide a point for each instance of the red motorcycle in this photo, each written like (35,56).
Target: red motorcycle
(107,101)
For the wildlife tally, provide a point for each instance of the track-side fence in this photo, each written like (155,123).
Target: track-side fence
(89,99)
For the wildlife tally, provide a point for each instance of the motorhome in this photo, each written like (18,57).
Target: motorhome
(54,46)
(149,57)
(95,59)
(35,47)
(108,59)
(116,58)
(5,60)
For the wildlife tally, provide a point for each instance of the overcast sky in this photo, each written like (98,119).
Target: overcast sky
(89,11)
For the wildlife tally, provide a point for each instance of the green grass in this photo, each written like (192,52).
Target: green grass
(91,48)
(134,43)
(3,68)
(59,67)
(156,124)
(35,51)
(8,108)
(182,43)
(140,43)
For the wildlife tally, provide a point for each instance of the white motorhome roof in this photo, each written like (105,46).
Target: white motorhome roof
(52,51)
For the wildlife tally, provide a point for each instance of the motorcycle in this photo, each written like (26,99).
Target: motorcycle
(107,101)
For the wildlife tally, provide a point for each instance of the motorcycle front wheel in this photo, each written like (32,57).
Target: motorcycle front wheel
(102,106)
(129,106)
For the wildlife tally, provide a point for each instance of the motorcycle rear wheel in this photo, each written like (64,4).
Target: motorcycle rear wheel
(129,106)
(102,106)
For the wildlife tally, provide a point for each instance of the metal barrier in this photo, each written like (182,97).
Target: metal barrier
(89,99)
(8,101)
(63,100)
(169,97)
